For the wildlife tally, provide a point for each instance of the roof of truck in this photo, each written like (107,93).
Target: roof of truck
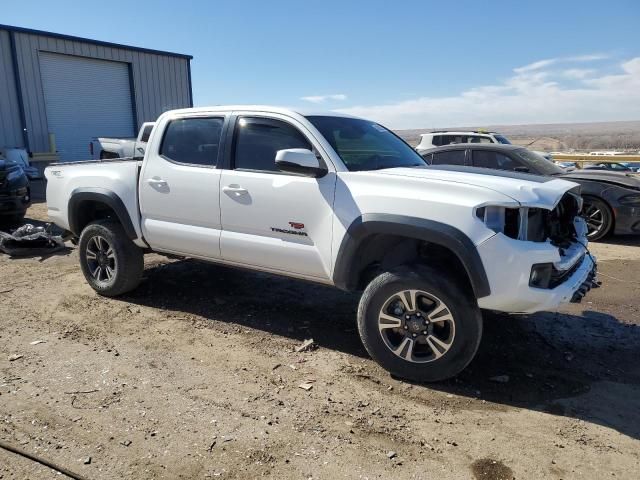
(264,108)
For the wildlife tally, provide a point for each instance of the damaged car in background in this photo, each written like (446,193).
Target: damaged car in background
(611,199)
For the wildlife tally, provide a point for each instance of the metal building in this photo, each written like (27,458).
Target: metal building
(58,91)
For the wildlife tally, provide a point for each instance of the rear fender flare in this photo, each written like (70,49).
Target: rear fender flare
(99,195)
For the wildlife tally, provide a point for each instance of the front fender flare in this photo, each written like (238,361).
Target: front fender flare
(345,276)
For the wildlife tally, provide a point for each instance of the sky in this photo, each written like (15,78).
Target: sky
(406,64)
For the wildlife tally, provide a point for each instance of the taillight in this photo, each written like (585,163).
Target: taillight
(91,148)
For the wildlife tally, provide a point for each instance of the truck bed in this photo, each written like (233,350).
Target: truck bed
(106,160)
(117,177)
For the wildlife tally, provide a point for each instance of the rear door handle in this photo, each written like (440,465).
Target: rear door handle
(236,190)
(156,182)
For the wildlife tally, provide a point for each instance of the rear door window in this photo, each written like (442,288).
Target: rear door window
(449,139)
(452,157)
(478,139)
(494,160)
(193,141)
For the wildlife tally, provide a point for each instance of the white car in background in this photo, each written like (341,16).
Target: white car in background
(438,138)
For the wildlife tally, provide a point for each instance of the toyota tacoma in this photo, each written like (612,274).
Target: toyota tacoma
(340,201)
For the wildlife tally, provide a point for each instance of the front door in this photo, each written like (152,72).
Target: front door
(180,188)
(271,219)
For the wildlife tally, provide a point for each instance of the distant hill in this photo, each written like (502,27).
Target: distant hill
(557,136)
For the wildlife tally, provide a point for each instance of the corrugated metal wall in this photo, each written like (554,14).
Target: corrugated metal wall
(160,82)
(10,128)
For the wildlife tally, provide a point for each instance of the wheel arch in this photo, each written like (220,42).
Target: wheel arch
(88,204)
(350,264)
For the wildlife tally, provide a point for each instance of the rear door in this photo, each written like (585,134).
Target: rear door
(180,186)
(270,219)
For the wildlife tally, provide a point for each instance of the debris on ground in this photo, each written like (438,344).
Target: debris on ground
(14,357)
(500,379)
(87,460)
(391,454)
(306,385)
(37,342)
(29,240)
(307,346)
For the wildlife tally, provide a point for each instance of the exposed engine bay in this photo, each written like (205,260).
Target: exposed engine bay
(558,226)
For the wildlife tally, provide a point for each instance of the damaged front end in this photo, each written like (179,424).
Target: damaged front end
(560,228)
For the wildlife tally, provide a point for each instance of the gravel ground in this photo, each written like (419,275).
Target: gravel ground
(195,375)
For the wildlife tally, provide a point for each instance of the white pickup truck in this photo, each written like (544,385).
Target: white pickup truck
(104,148)
(340,201)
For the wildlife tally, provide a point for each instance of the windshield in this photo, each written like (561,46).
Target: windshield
(537,163)
(502,140)
(365,145)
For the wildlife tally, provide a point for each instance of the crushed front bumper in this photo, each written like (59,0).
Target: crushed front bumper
(508,265)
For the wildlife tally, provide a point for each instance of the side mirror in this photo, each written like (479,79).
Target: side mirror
(300,161)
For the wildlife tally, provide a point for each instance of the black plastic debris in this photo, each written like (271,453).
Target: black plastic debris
(29,240)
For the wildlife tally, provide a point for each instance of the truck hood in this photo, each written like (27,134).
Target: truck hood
(529,190)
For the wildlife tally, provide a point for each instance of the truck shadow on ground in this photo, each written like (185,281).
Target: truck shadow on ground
(583,367)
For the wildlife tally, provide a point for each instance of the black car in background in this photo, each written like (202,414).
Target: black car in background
(611,199)
(15,194)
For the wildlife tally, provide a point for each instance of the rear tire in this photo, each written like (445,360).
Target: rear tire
(111,263)
(419,324)
(599,217)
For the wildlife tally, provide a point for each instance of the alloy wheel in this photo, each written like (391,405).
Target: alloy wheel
(416,326)
(101,259)
(595,219)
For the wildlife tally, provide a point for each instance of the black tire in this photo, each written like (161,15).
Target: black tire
(599,217)
(123,258)
(466,322)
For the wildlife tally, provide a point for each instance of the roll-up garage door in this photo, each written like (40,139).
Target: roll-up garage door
(85,98)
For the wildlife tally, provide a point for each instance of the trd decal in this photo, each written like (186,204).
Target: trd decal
(289,232)
(297,225)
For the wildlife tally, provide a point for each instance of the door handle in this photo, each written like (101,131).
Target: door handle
(157,182)
(236,190)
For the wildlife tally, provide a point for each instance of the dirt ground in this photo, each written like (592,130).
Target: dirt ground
(195,375)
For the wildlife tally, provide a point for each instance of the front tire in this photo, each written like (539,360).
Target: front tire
(111,263)
(598,216)
(419,324)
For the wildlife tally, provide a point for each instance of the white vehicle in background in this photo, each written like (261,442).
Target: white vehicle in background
(610,153)
(103,148)
(339,201)
(438,138)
